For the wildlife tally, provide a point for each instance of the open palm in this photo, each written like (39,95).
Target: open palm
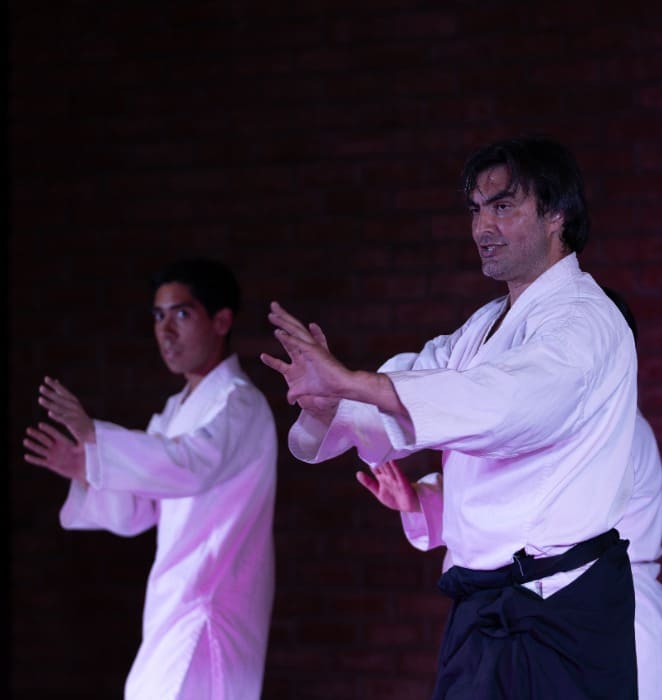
(390,487)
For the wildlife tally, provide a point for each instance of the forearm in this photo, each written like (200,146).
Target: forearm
(374,388)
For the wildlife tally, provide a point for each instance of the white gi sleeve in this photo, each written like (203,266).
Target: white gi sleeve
(423,530)
(155,466)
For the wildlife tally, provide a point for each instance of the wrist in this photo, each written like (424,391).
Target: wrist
(90,434)
(363,386)
(375,388)
(79,472)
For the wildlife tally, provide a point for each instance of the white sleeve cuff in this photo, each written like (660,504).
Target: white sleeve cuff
(424,529)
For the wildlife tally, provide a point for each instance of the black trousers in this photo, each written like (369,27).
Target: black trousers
(503,642)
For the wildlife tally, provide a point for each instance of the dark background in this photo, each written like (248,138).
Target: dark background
(315,146)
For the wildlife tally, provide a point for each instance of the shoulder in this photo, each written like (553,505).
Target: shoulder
(580,309)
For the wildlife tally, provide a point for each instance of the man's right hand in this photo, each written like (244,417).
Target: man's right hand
(313,373)
(48,447)
(310,374)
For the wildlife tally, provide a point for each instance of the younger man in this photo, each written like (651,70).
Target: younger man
(203,473)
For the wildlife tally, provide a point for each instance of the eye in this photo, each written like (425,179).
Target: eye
(157,315)
(183,313)
(502,207)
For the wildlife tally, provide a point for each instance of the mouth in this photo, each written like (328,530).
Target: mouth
(169,351)
(488,250)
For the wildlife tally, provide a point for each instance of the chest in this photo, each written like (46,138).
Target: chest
(486,340)
(180,417)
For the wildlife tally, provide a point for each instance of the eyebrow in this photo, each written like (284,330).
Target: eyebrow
(182,305)
(503,194)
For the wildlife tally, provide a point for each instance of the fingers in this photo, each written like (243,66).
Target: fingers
(292,344)
(389,474)
(54,396)
(285,321)
(365,480)
(61,405)
(40,442)
(276,310)
(274,363)
(55,410)
(57,387)
(37,461)
(51,390)
(291,325)
(52,432)
(283,368)
(45,435)
(38,434)
(291,333)
(391,470)
(37,448)
(39,438)
(317,335)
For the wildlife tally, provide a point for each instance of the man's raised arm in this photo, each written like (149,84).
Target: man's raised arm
(316,378)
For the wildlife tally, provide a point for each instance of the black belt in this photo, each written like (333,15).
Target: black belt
(459,582)
(528,568)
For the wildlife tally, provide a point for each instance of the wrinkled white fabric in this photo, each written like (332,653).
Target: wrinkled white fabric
(642,525)
(535,423)
(204,473)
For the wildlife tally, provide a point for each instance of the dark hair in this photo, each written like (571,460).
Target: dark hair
(211,282)
(546,168)
(624,309)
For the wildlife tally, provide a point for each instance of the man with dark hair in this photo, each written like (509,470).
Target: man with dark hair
(541,167)
(532,403)
(204,474)
(640,525)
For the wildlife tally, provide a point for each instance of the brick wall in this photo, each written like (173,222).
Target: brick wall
(315,146)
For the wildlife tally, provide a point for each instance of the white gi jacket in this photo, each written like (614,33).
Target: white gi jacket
(535,424)
(642,525)
(204,473)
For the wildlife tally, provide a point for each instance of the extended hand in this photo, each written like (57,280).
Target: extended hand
(314,377)
(390,487)
(48,447)
(65,408)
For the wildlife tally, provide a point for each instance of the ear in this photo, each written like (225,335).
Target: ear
(223,320)
(555,223)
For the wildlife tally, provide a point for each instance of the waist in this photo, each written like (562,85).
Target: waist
(525,568)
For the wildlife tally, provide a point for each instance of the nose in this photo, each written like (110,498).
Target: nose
(482,221)
(165,328)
